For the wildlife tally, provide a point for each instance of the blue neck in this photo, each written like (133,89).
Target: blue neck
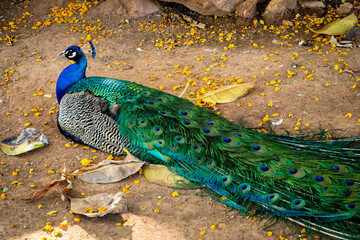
(70,75)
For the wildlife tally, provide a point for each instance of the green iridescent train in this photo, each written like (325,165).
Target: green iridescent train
(314,184)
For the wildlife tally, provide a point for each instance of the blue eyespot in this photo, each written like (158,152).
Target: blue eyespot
(264,168)
(335,168)
(349,183)
(297,202)
(244,187)
(227,140)
(162,112)
(319,178)
(186,122)
(256,147)
(272,196)
(159,99)
(157,129)
(277,159)
(352,205)
(293,171)
(224,179)
(210,123)
(151,102)
(183,113)
(195,147)
(206,130)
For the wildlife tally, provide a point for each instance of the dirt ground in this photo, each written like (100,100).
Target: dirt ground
(310,88)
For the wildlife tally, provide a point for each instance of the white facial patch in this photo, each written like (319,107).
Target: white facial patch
(72,55)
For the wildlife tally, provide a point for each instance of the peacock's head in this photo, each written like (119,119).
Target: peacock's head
(72,53)
(75,53)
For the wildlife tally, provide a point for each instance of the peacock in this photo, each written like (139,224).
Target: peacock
(311,183)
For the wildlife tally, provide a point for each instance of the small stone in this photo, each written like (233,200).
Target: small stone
(313,4)
(278,10)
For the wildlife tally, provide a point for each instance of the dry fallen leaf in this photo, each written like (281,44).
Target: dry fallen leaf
(228,93)
(198,25)
(192,22)
(28,140)
(109,171)
(45,189)
(161,175)
(108,203)
(339,27)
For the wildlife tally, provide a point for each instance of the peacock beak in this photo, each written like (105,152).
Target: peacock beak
(61,53)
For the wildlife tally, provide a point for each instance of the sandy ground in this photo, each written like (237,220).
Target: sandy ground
(309,88)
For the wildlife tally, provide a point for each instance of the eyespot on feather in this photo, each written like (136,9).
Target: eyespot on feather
(226,180)
(244,188)
(264,169)
(157,130)
(159,143)
(187,123)
(298,204)
(352,206)
(174,147)
(180,139)
(131,124)
(143,122)
(197,148)
(322,180)
(273,198)
(296,173)
(340,169)
(210,164)
(199,159)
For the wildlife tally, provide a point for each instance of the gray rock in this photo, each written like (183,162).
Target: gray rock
(141,8)
(245,12)
(129,8)
(209,7)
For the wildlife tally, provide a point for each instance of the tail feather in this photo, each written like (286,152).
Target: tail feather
(313,183)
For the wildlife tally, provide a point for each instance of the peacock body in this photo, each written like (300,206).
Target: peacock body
(314,184)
